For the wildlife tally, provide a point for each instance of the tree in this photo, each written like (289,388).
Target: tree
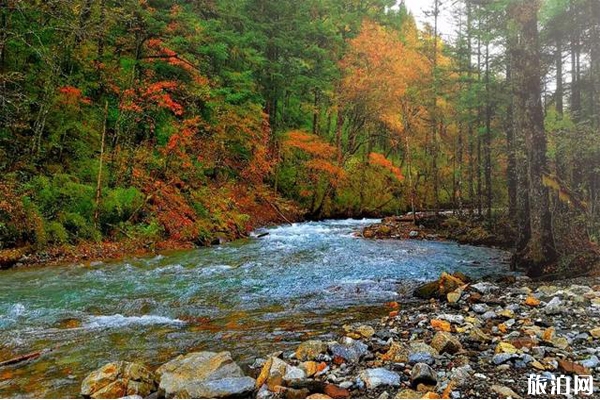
(540,249)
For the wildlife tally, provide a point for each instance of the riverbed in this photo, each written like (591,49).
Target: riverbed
(249,297)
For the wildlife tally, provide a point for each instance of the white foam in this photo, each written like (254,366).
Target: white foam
(118,321)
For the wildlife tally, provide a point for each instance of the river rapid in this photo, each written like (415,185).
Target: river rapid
(250,297)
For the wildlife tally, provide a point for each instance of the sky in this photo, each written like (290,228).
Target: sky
(445,24)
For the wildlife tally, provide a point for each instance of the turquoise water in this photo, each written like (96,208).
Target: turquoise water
(249,297)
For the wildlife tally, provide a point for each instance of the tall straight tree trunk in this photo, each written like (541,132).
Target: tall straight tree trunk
(511,167)
(559,77)
(540,249)
(488,136)
(434,119)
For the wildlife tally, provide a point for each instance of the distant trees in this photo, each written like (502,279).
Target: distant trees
(195,111)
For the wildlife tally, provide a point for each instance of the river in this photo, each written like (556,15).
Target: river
(250,297)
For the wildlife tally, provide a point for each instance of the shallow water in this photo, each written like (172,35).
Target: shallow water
(250,297)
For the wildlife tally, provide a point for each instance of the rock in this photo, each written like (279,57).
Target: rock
(397,353)
(504,391)
(504,347)
(293,374)
(571,367)
(560,343)
(422,373)
(477,335)
(439,289)
(336,392)
(523,342)
(548,290)
(379,376)
(554,307)
(290,393)
(502,358)
(506,313)
(365,331)
(538,365)
(461,374)
(444,342)
(453,318)
(310,350)
(204,375)
(119,379)
(409,394)
(413,234)
(310,368)
(591,362)
(595,333)
(532,301)
(318,396)
(489,315)
(277,372)
(420,352)
(484,287)
(479,308)
(454,296)
(350,350)
(440,325)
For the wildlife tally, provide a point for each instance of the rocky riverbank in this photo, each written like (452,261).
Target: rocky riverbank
(469,339)
(465,229)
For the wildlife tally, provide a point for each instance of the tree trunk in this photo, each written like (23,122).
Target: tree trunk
(540,249)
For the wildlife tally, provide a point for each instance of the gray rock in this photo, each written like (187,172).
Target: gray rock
(413,234)
(489,315)
(538,352)
(422,373)
(479,308)
(461,374)
(501,358)
(591,362)
(420,357)
(421,352)
(204,375)
(484,287)
(554,306)
(379,376)
(350,350)
(452,318)
(346,385)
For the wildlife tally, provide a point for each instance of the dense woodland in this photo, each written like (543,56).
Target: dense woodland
(183,119)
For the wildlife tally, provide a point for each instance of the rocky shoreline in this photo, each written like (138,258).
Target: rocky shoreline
(466,340)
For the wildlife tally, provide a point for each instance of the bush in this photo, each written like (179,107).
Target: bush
(79,227)
(118,205)
(56,233)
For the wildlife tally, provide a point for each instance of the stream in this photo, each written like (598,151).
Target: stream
(250,297)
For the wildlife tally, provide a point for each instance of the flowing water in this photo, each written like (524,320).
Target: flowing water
(250,297)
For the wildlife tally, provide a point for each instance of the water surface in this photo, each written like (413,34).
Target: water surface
(250,297)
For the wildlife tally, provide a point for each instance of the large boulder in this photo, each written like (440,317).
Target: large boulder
(119,379)
(203,375)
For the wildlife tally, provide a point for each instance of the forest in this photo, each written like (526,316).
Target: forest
(190,121)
